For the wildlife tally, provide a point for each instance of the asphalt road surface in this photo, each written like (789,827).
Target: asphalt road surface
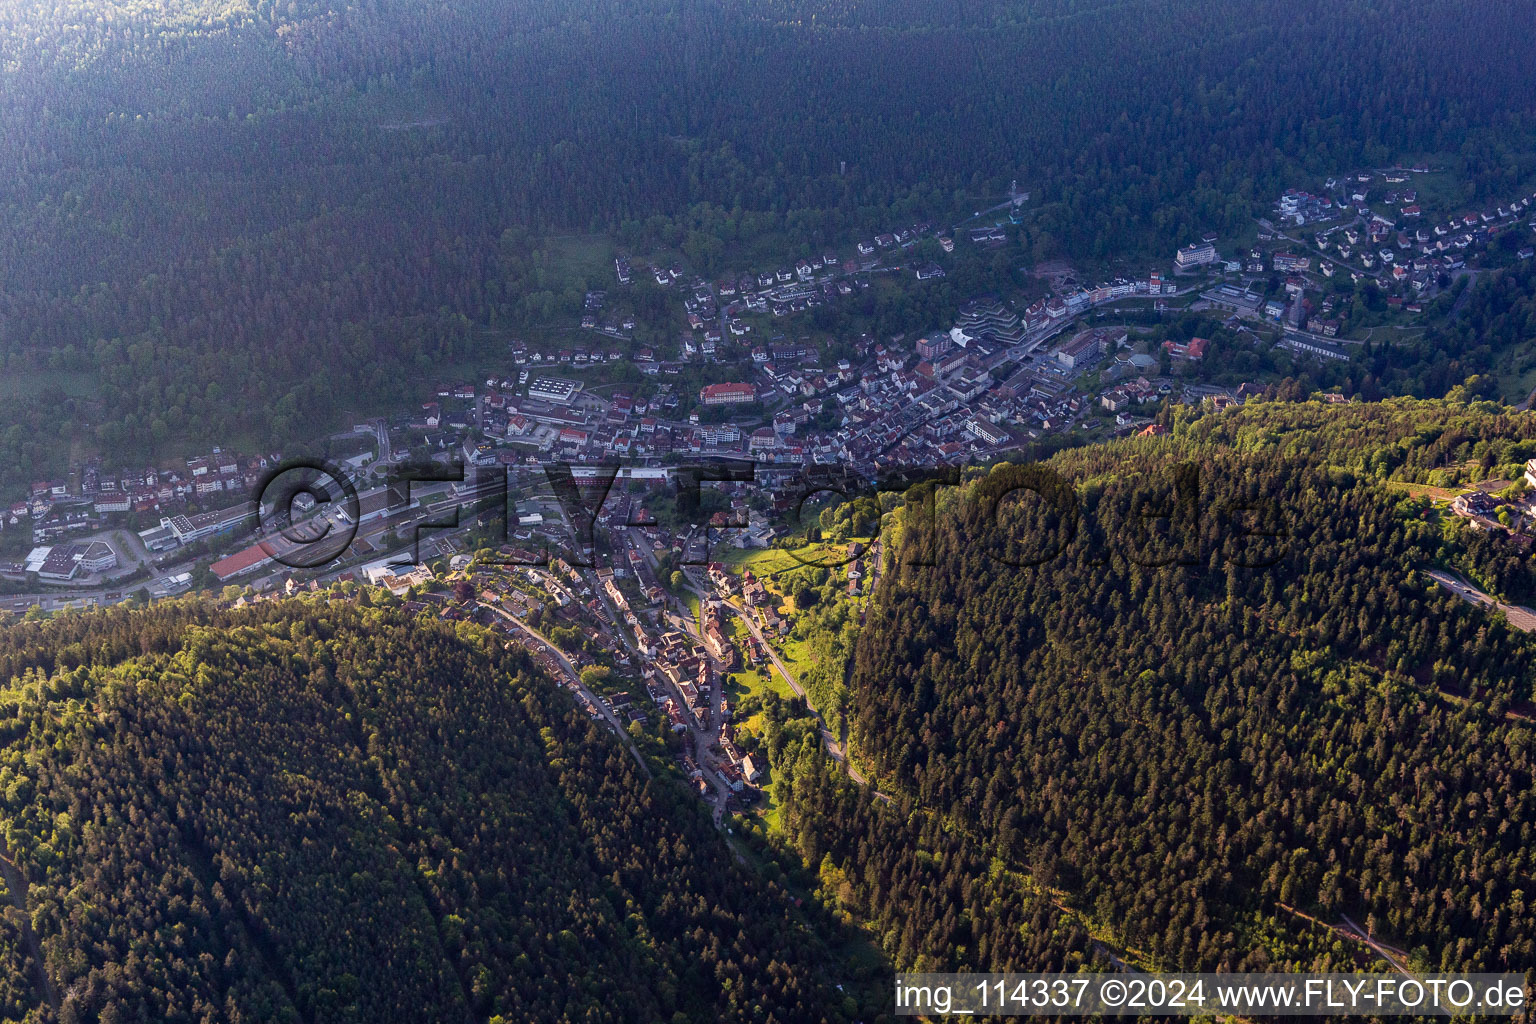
(1519,616)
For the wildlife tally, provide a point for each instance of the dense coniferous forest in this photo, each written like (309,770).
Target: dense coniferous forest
(1198,713)
(1193,711)
(323,813)
(1218,709)
(244,218)
(937,901)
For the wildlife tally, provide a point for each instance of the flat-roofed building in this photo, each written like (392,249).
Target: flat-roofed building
(205,524)
(1087,346)
(988,433)
(65,561)
(1304,345)
(97,556)
(1233,298)
(1195,255)
(555,390)
(159,538)
(1079,352)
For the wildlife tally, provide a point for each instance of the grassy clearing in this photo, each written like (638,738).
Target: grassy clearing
(1424,490)
(769,251)
(1439,192)
(771,562)
(577,259)
(749,681)
(797,655)
(763,562)
(1517,377)
(768,809)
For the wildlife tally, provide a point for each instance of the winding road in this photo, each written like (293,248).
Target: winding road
(575,678)
(1519,616)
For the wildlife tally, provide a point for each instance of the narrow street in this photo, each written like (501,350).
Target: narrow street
(575,681)
(833,744)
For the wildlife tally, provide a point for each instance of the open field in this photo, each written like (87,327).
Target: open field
(771,562)
(1516,374)
(574,258)
(796,654)
(752,682)
(1424,490)
(768,809)
(749,681)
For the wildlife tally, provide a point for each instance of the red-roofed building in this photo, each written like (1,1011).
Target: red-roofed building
(252,558)
(1194,349)
(727,394)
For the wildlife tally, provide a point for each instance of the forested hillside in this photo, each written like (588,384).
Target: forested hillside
(324,813)
(1225,703)
(239,218)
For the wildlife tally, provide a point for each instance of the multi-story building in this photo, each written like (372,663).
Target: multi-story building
(1195,255)
(727,394)
(1080,351)
(931,348)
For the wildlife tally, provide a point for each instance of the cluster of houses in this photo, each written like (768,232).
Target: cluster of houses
(1391,237)
(515,595)
(1302,208)
(221,482)
(681,676)
(1122,397)
(759,601)
(546,416)
(1364,231)
(968,392)
(674,660)
(618,327)
(577,355)
(813,282)
(715,309)
(738,771)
